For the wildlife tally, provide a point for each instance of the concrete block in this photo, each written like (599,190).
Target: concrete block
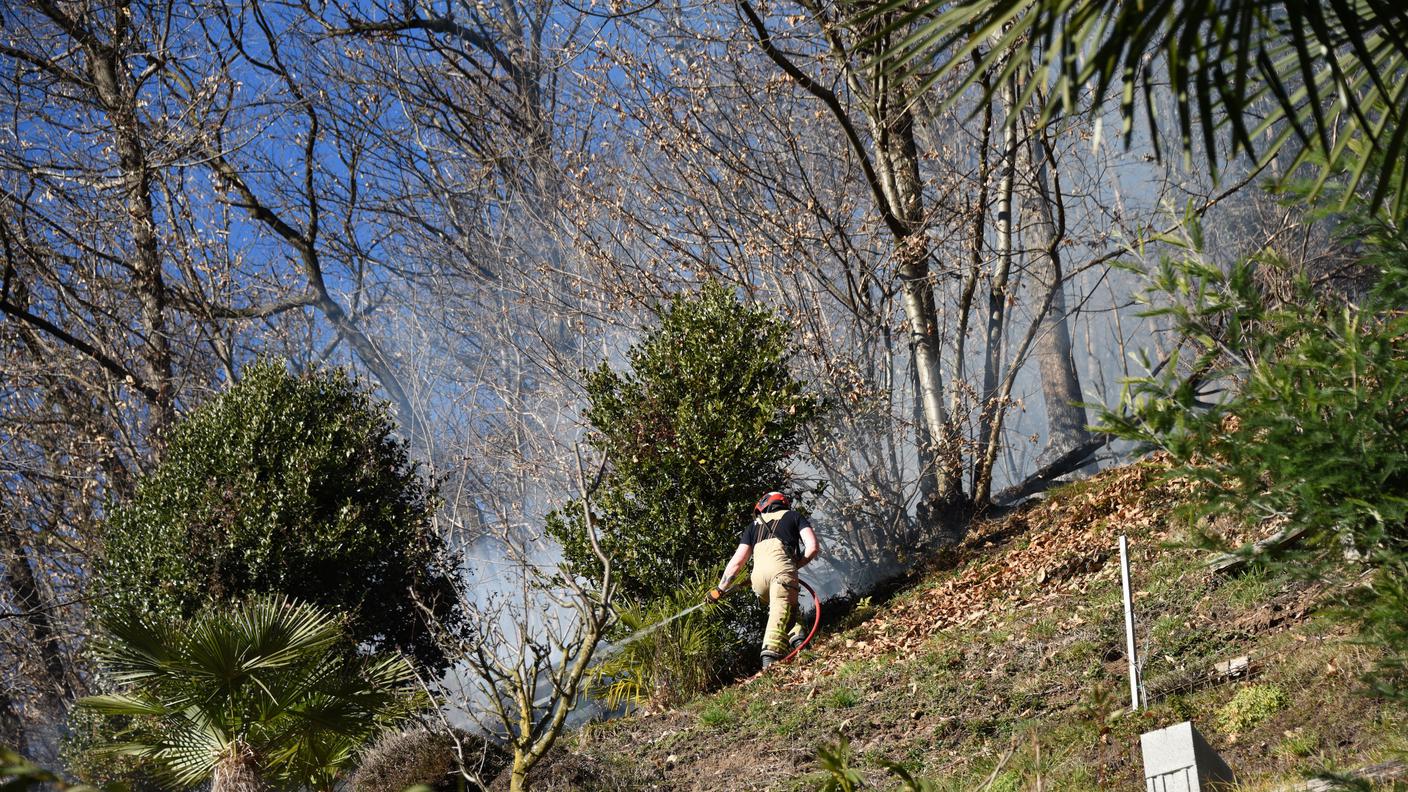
(1237,666)
(1178,759)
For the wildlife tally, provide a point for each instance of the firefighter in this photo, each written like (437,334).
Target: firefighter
(780,541)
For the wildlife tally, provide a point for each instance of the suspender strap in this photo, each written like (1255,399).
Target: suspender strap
(766,525)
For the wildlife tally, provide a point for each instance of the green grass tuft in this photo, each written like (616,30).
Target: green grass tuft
(843,697)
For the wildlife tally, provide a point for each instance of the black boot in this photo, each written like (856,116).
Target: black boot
(797,640)
(770,657)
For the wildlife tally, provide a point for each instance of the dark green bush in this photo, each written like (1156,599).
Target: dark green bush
(295,485)
(697,429)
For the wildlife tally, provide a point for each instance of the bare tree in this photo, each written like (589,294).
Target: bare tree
(144,204)
(891,166)
(519,676)
(779,162)
(96,349)
(1060,383)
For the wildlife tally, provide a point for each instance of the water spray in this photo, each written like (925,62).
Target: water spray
(611,649)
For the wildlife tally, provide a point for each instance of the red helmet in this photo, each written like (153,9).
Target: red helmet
(768,501)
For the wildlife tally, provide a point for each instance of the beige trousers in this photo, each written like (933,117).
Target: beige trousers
(775,583)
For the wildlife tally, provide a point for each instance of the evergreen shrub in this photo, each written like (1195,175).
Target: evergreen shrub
(1294,416)
(291,484)
(698,427)
(694,431)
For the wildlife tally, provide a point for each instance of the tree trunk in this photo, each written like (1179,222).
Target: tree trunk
(923,347)
(119,100)
(892,124)
(1060,384)
(891,166)
(928,486)
(12,730)
(518,776)
(975,249)
(997,306)
(238,771)
(33,604)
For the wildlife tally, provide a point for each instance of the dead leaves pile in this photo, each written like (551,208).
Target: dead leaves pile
(1070,540)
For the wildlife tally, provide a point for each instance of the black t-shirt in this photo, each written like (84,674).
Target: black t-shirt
(788,529)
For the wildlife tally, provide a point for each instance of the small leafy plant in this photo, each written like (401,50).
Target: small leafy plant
(677,659)
(1250,706)
(835,761)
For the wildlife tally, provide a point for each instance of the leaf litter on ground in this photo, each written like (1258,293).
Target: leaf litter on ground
(1068,542)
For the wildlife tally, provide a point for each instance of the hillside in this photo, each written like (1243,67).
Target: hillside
(1003,669)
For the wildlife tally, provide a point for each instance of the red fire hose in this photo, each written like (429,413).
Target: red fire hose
(816,621)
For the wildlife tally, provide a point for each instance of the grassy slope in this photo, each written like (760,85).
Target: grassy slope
(1008,668)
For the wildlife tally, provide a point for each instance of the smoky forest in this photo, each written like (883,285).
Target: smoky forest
(461,395)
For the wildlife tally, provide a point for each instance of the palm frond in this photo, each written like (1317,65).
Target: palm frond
(121,704)
(1322,79)
(270,676)
(266,633)
(135,647)
(280,631)
(192,748)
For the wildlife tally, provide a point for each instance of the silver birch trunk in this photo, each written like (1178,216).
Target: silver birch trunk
(899,170)
(892,172)
(997,303)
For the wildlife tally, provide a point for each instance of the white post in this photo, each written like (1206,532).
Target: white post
(1129,627)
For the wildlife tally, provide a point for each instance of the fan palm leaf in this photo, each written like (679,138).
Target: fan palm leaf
(193,748)
(121,704)
(1325,80)
(269,685)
